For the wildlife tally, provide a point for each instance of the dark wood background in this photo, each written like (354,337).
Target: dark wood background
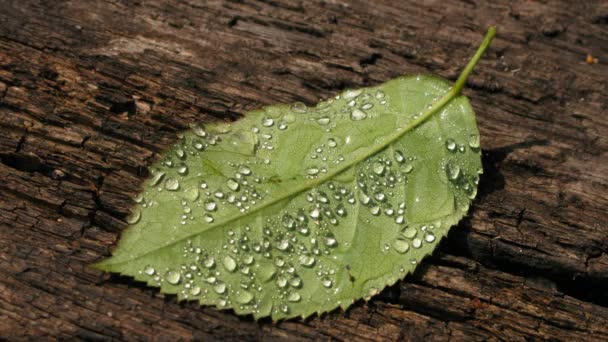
(92,91)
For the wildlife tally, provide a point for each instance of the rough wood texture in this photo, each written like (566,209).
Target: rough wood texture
(92,91)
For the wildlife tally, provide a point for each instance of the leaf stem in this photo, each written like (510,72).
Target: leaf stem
(469,68)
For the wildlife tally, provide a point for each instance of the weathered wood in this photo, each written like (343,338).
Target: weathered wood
(91,92)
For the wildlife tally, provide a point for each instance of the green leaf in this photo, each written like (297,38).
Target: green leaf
(296,210)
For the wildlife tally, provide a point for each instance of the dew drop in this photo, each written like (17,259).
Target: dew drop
(220,288)
(352,94)
(288,221)
(452,170)
(327,282)
(367,106)
(211,206)
(331,142)
(229,263)
(172,184)
(399,219)
(209,262)
(208,218)
(156,178)
(232,184)
(192,194)
(149,270)
(375,210)
(284,308)
(407,168)
(306,260)
(244,297)
(312,171)
(340,210)
(378,168)
(401,246)
(330,241)
(364,198)
(417,243)
(195,291)
(299,107)
(182,169)
(357,115)
(173,277)
(323,121)
(474,141)
(409,232)
(281,282)
(315,213)
(294,297)
(450,144)
(429,237)
(267,122)
(283,245)
(198,130)
(399,157)
(134,217)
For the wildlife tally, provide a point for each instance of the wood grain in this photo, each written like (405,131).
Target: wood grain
(92,91)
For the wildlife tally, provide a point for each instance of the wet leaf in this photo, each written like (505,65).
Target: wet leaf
(296,210)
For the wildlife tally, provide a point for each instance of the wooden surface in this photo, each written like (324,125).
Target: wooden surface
(91,92)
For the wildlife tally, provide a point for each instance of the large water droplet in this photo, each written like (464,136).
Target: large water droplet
(198,130)
(299,107)
(173,277)
(453,170)
(210,206)
(417,243)
(149,270)
(327,282)
(156,178)
(244,170)
(474,141)
(288,221)
(229,263)
(209,262)
(243,297)
(429,237)
(331,142)
(172,184)
(195,291)
(357,115)
(220,288)
(450,144)
(352,94)
(410,232)
(378,168)
(399,157)
(330,241)
(401,246)
(323,121)
(306,260)
(134,217)
(182,169)
(267,122)
(232,184)
(294,297)
(312,171)
(192,194)
(364,198)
